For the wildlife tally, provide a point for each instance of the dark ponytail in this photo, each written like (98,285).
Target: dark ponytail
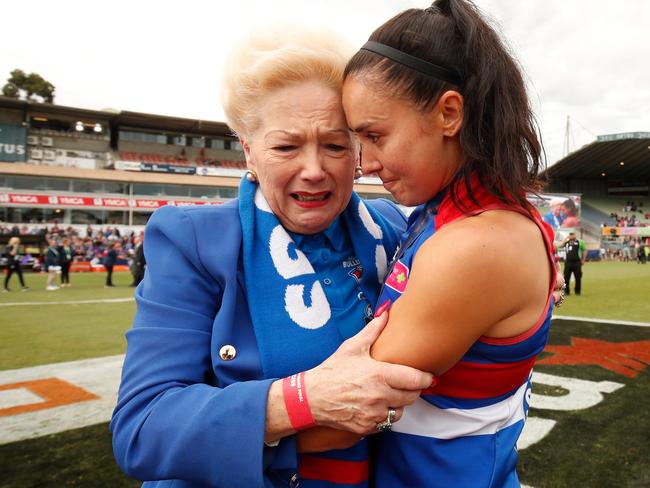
(499,136)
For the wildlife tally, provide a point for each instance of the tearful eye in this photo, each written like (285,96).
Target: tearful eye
(286,148)
(335,147)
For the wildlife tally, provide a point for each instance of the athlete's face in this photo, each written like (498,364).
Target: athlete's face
(414,152)
(304,156)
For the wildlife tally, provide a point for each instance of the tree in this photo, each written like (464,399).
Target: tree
(30,86)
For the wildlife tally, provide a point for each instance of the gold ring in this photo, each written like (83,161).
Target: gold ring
(388,423)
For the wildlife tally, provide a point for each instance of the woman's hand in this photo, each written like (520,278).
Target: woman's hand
(351,391)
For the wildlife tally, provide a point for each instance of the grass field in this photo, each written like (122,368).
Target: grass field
(607,445)
(612,290)
(40,334)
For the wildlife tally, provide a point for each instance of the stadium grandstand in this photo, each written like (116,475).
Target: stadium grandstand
(611,178)
(74,167)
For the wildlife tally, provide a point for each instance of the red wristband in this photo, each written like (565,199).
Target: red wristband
(295,399)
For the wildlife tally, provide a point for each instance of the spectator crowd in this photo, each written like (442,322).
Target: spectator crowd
(60,247)
(630,219)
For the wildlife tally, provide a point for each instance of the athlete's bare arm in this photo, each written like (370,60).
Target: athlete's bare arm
(483,275)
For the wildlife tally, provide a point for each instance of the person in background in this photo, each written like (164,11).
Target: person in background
(52,264)
(570,210)
(642,251)
(555,216)
(109,262)
(66,254)
(13,264)
(139,262)
(576,256)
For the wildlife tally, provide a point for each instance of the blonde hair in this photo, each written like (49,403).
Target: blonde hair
(275,57)
(14,241)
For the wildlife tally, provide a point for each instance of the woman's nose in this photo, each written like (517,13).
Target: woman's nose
(313,165)
(369,162)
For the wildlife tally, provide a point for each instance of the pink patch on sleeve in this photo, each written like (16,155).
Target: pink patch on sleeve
(398,277)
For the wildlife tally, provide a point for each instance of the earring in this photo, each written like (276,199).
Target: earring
(251,176)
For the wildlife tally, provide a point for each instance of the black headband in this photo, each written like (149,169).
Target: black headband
(412,62)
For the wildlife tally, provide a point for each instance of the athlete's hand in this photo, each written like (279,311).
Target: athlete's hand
(558,293)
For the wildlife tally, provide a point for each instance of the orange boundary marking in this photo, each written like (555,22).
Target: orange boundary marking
(54,391)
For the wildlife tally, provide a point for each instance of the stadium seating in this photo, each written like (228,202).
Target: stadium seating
(178,160)
(599,210)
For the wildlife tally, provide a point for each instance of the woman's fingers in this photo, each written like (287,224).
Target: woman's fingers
(405,378)
(368,335)
(559,282)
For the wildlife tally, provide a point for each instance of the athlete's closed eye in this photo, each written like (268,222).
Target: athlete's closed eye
(374,138)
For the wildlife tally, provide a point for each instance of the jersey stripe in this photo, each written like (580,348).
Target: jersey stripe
(476,380)
(333,470)
(424,419)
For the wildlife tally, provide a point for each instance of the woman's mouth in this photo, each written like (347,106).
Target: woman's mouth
(311,200)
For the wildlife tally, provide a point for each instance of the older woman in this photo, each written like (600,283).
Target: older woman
(239,300)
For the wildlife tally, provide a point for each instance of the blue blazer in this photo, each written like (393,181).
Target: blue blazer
(184,414)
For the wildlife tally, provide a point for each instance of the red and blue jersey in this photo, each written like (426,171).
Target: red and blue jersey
(463,431)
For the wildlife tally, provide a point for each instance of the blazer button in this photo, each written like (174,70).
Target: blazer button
(227,352)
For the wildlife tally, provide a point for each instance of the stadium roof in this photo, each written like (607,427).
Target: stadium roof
(122,118)
(619,156)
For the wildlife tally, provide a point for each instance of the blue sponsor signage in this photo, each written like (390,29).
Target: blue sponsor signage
(13,143)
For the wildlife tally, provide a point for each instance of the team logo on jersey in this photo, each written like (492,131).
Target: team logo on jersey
(356,273)
(398,277)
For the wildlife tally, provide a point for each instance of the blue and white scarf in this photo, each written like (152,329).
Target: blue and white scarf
(294,324)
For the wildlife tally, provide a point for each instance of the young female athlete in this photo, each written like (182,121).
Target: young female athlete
(441,110)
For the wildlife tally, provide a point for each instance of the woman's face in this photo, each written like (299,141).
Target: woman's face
(407,148)
(303,155)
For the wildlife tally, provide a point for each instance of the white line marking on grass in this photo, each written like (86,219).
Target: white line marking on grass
(99,376)
(71,302)
(603,321)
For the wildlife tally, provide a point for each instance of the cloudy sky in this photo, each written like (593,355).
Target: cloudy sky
(587,59)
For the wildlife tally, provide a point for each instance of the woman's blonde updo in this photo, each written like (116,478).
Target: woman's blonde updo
(272,58)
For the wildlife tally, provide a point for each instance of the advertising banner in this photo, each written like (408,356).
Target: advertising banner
(168,168)
(212,171)
(626,231)
(127,165)
(100,202)
(13,143)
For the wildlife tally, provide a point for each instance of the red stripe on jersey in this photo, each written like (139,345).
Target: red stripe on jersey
(476,380)
(333,470)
